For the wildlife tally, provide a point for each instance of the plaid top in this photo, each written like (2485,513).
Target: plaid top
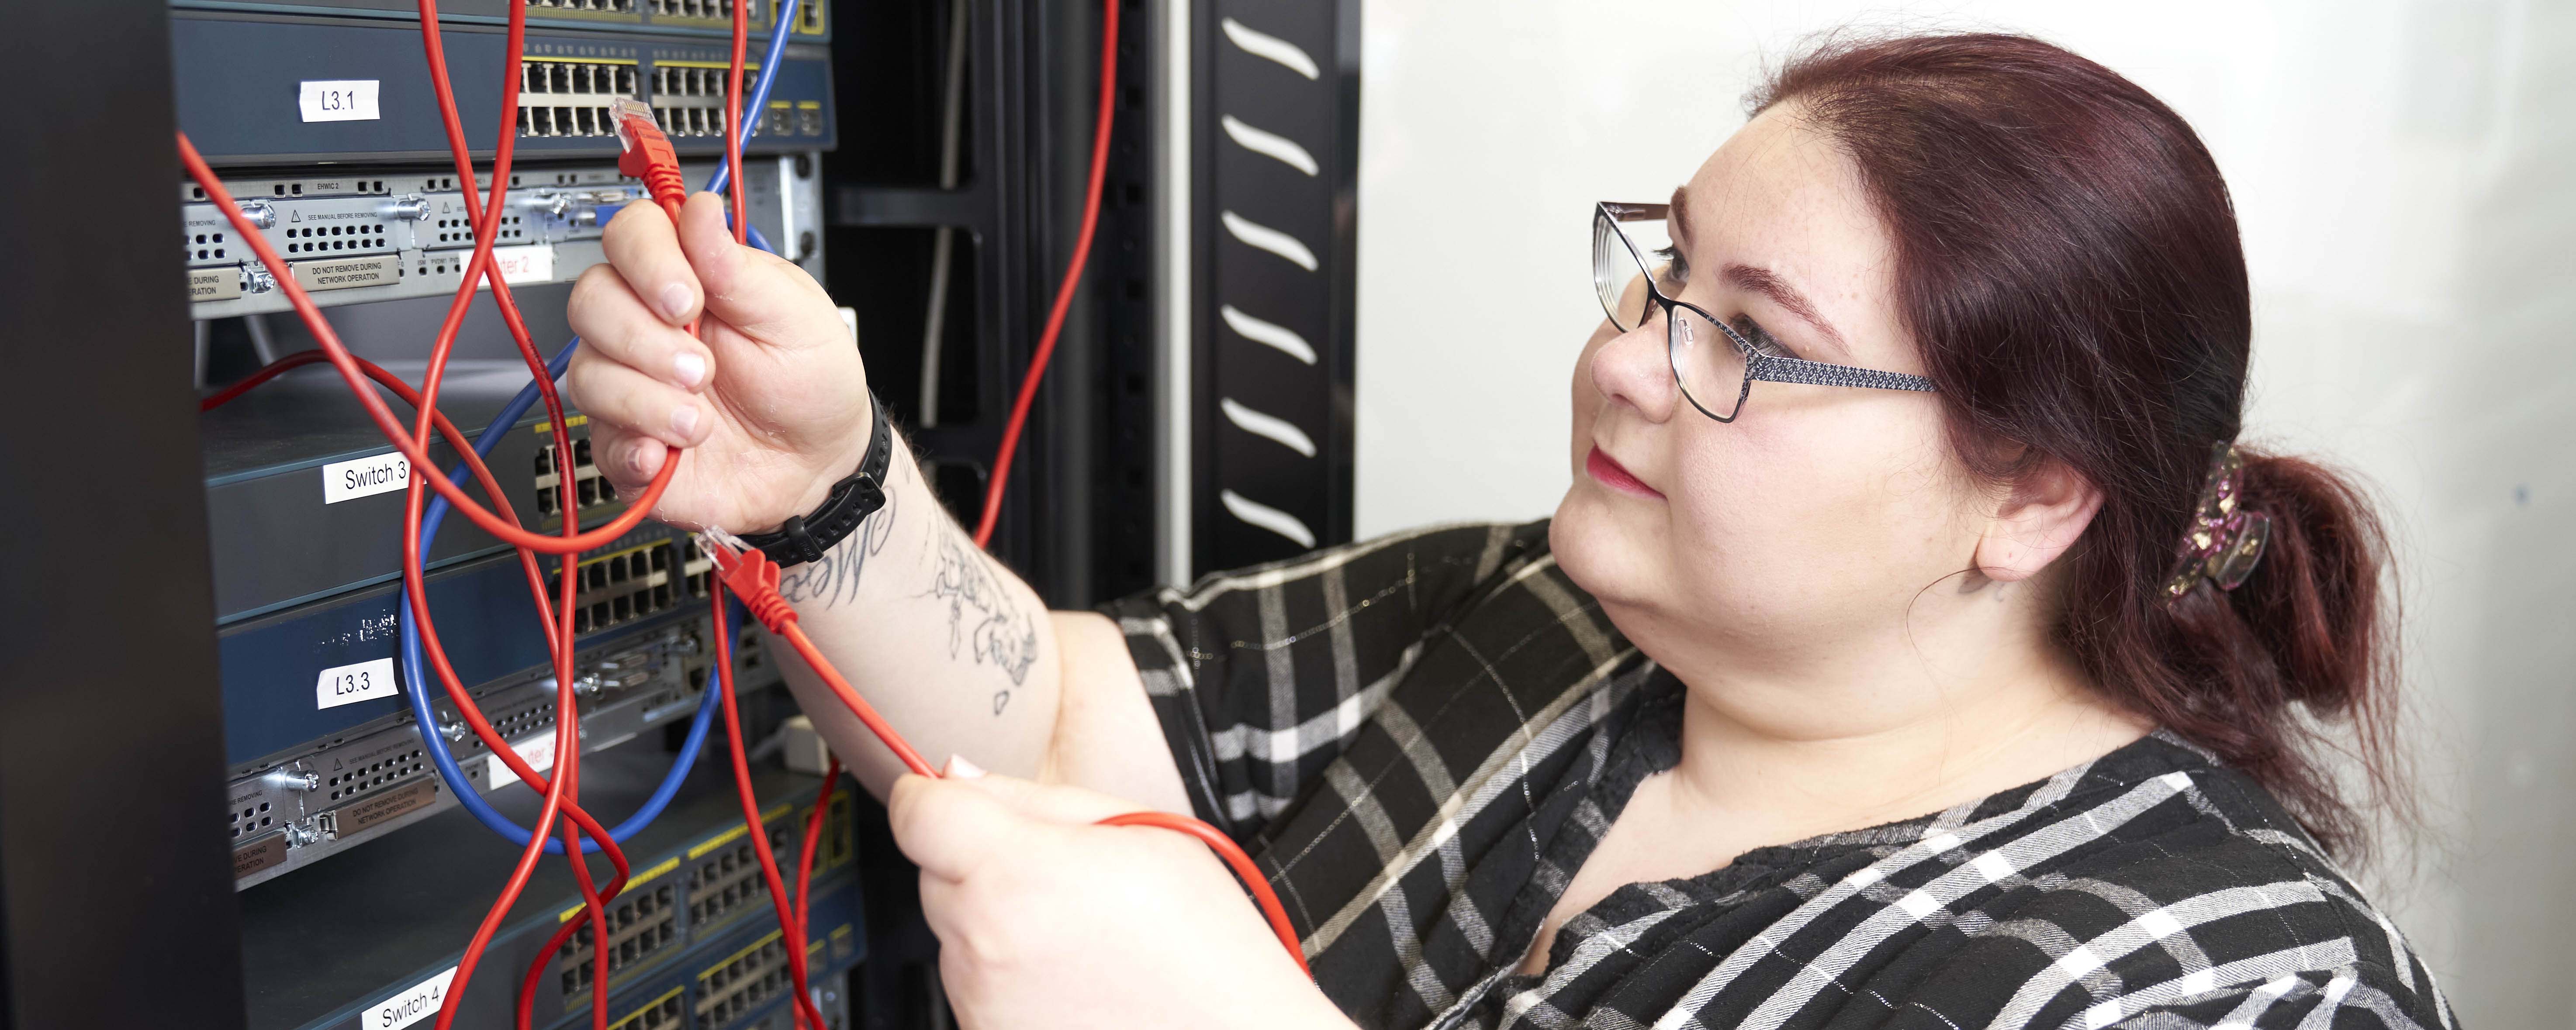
(1421,737)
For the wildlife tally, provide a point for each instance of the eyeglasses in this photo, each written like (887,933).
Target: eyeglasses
(1714,364)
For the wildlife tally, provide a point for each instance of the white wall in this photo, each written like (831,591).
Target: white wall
(2405,175)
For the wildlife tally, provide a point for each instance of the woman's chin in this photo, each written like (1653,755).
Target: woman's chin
(1600,546)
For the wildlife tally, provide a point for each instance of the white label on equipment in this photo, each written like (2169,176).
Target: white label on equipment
(539,751)
(411,1006)
(206,284)
(365,477)
(350,684)
(528,263)
(338,100)
(347,273)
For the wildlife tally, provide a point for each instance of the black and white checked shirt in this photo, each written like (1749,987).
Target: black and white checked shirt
(1421,737)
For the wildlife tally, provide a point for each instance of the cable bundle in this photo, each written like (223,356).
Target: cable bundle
(649,157)
(580,832)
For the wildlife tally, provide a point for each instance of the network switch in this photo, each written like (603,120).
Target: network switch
(287,814)
(392,235)
(725,884)
(281,90)
(571,97)
(304,499)
(745,987)
(430,880)
(665,907)
(660,17)
(323,671)
(634,583)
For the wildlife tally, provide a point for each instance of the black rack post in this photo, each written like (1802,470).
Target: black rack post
(116,902)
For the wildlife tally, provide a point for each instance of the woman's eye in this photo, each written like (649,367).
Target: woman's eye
(1760,338)
(1676,268)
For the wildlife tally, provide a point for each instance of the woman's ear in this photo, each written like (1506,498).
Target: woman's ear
(2045,515)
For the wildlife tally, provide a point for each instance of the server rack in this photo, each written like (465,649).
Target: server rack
(111,549)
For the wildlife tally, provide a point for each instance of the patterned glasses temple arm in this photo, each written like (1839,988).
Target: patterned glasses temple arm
(1772,368)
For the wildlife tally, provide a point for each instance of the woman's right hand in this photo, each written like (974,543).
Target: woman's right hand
(779,412)
(770,401)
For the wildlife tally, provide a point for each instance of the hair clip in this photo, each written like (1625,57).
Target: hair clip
(2226,539)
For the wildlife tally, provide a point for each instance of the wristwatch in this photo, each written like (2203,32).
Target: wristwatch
(804,538)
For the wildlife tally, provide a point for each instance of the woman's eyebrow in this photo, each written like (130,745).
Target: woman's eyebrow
(1768,284)
(1757,280)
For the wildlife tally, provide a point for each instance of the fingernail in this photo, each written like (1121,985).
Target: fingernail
(961,769)
(635,461)
(675,301)
(689,367)
(684,421)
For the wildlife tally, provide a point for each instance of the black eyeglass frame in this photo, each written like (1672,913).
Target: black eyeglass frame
(1757,363)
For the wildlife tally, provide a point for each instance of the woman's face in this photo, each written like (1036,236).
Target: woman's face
(1819,513)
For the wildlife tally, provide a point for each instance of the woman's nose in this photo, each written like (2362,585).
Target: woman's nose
(1632,367)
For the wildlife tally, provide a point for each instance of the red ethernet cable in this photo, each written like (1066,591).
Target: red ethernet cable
(749,573)
(759,584)
(791,916)
(403,441)
(733,116)
(567,741)
(648,156)
(483,476)
(455,438)
(1001,476)
(559,635)
(486,218)
(763,598)
(567,747)
(791,929)
(487,225)
(814,838)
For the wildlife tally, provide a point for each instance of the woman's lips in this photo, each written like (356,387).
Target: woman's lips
(1617,477)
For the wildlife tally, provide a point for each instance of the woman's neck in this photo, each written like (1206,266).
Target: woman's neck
(1839,735)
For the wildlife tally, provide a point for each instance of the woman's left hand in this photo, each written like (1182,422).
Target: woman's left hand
(1045,920)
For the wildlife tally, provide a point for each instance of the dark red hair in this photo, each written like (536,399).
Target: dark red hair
(2068,263)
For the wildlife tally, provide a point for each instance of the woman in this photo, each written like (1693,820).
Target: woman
(1912,649)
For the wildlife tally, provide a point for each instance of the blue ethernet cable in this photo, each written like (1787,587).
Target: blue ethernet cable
(416,674)
(414,667)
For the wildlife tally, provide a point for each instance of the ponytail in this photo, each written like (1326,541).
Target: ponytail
(2297,662)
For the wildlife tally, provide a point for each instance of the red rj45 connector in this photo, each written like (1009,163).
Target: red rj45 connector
(648,154)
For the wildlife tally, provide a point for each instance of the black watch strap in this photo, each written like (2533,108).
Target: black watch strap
(804,538)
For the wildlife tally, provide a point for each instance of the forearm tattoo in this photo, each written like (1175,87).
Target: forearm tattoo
(983,618)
